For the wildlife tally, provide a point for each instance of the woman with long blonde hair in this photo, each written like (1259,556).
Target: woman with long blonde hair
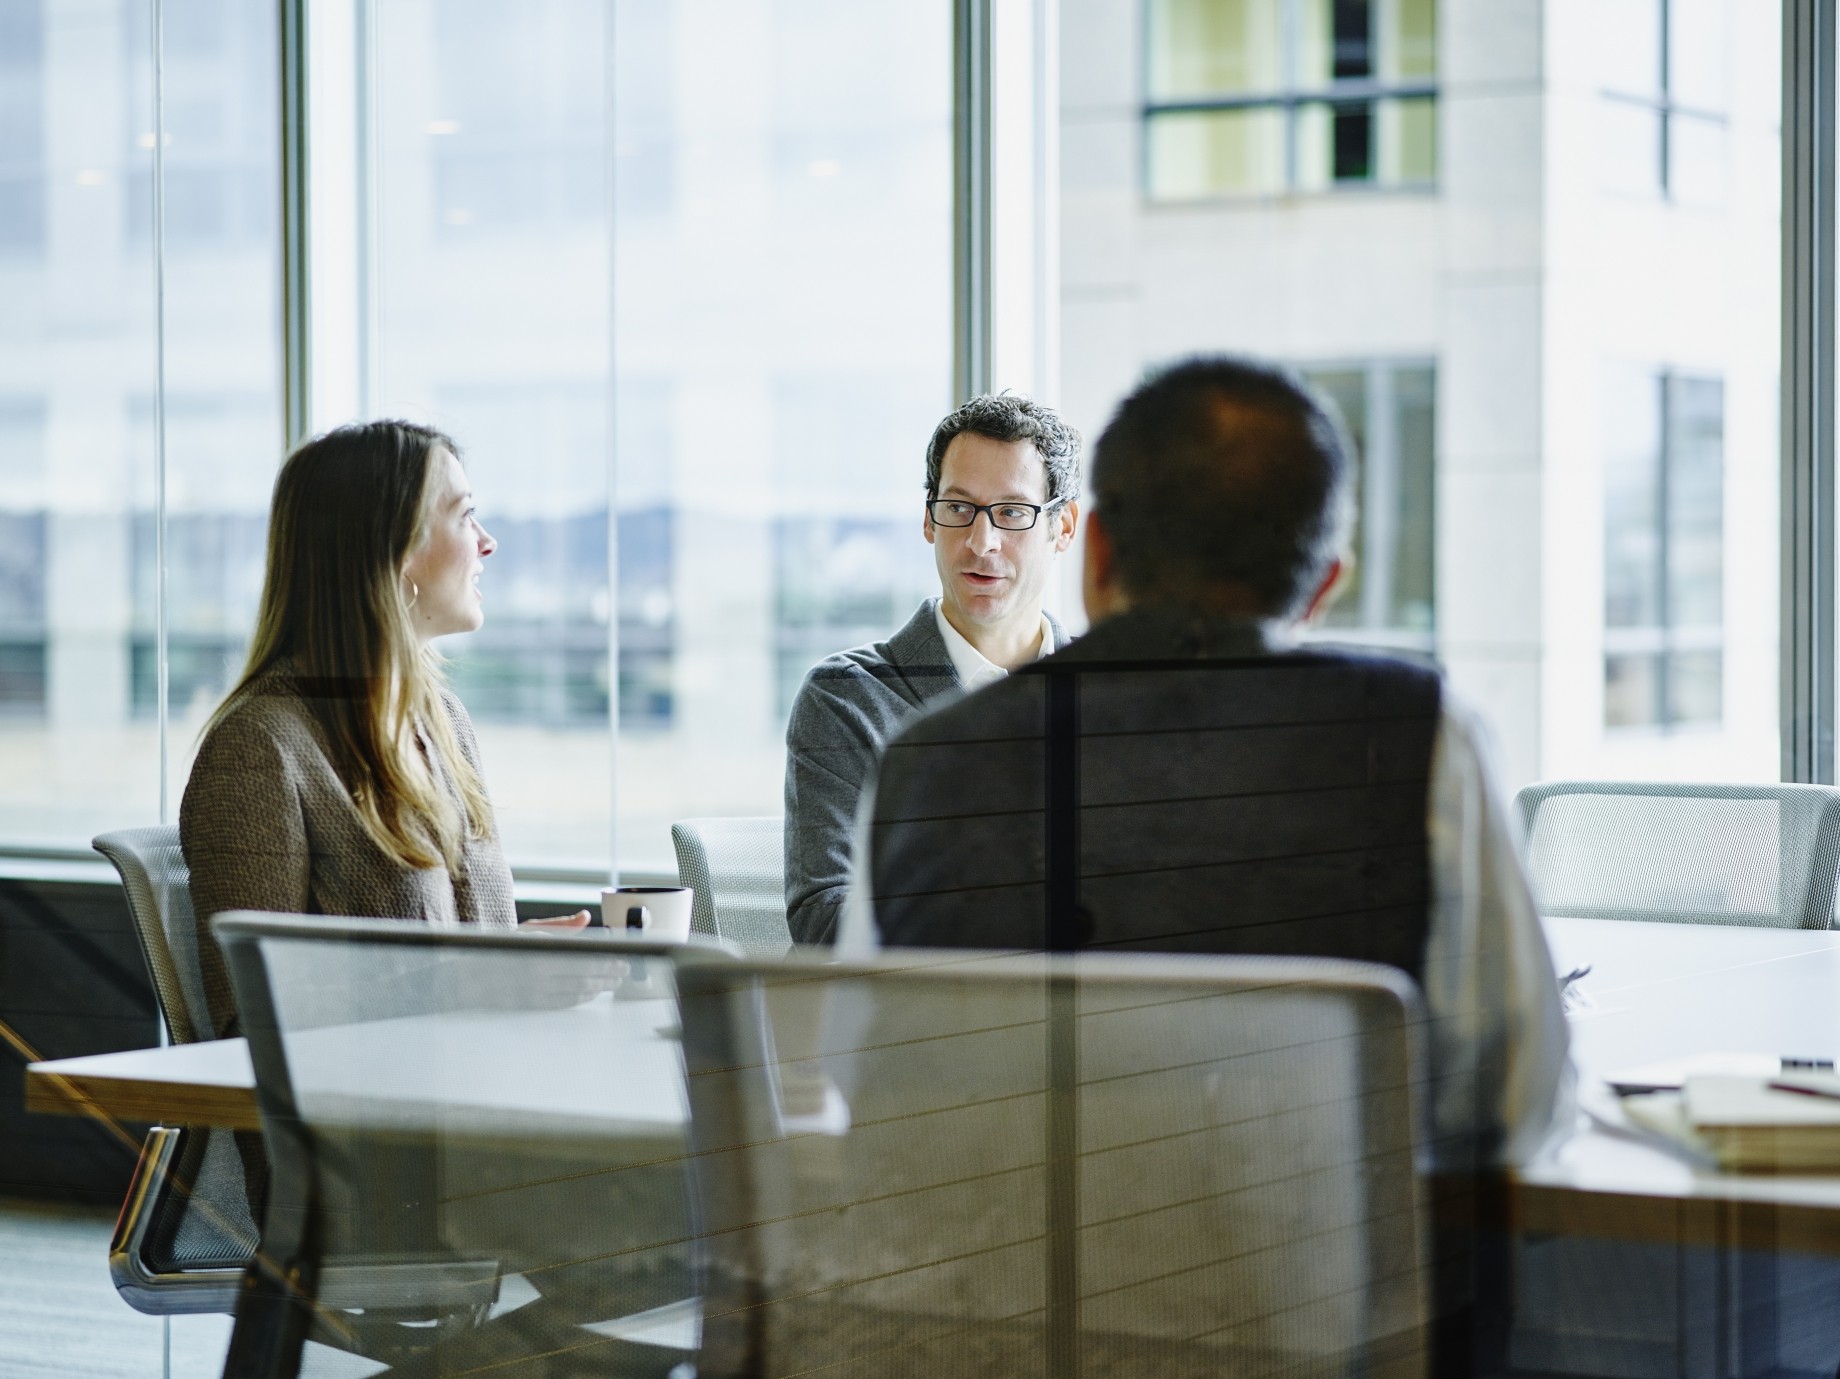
(341,776)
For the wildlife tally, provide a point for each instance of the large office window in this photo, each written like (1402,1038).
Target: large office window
(650,297)
(1256,97)
(636,259)
(691,322)
(1662,115)
(1664,547)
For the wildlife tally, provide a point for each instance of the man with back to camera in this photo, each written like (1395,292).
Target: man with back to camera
(1002,490)
(1227,779)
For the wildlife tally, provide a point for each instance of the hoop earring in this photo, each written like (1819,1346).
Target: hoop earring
(415,592)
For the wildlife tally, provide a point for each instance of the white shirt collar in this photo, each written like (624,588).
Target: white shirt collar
(975,670)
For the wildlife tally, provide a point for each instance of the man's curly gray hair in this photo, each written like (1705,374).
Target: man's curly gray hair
(1012,417)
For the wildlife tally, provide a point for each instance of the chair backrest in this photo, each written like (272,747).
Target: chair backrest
(154,874)
(1764,855)
(459,1098)
(737,867)
(969,1164)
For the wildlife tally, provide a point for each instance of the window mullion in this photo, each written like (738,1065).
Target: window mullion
(1807,428)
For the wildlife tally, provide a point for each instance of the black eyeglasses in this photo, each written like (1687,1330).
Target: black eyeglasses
(955,512)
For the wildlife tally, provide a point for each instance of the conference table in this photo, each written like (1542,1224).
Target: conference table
(1654,993)
(1658,994)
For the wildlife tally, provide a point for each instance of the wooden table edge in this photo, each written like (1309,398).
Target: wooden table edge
(51,1091)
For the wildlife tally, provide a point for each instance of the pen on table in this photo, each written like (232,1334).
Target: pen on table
(1803,1091)
(1574,975)
(1785,1064)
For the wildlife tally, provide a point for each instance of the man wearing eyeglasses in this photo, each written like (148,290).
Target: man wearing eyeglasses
(1002,491)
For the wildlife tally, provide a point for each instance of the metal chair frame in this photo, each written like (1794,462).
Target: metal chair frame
(170,1155)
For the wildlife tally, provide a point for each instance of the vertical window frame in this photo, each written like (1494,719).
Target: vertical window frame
(1808,503)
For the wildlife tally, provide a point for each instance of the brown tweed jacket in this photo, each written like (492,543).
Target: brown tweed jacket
(266,824)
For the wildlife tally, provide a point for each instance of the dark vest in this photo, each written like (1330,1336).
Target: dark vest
(1257,804)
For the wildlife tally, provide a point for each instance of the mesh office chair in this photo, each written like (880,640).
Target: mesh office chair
(185,1231)
(980,1165)
(1763,855)
(737,867)
(443,1107)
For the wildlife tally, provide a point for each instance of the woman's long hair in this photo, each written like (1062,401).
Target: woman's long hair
(349,508)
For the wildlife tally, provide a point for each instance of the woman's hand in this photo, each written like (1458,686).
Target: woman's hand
(578,920)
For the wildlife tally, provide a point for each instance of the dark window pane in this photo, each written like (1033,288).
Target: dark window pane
(1353,136)
(1353,23)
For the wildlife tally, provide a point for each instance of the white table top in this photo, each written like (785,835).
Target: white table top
(1667,991)
(1663,992)
(606,1067)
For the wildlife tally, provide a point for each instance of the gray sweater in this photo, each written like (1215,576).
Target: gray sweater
(850,704)
(266,824)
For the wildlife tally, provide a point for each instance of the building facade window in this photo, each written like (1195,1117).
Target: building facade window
(1388,589)
(1664,558)
(1663,112)
(1263,97)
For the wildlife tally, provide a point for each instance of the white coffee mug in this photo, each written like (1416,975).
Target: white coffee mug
(659,912)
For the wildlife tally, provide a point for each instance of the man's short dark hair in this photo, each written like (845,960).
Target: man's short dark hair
(1221,471)
(1010,417)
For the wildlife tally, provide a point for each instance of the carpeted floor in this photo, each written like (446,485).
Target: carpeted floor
(59,1316)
